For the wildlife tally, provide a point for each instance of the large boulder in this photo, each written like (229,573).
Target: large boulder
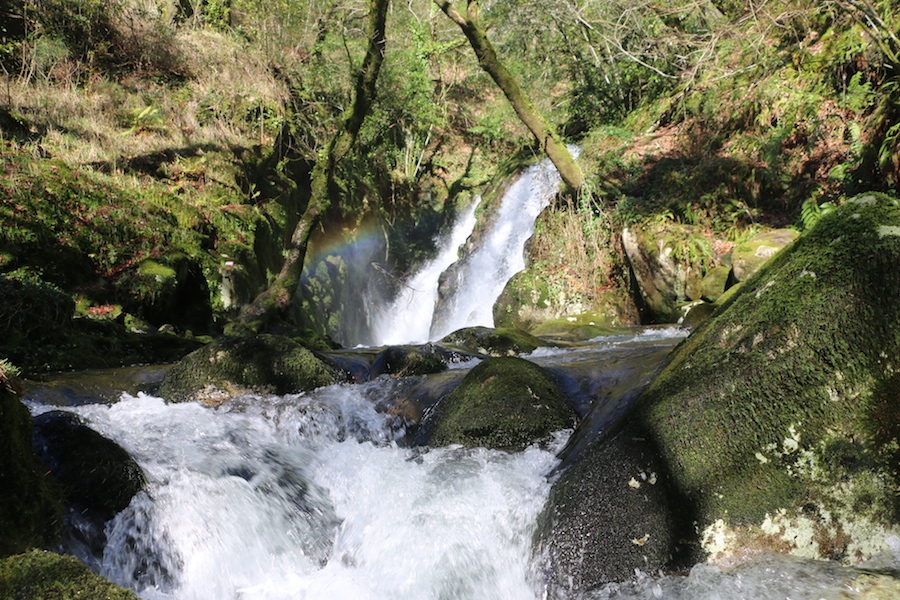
(665,259)
(98,477)
(534,296)
(95,473)
(775,426)
(30,510)
(506,403)
(260,364)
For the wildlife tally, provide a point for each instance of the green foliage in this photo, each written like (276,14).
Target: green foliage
(811,211)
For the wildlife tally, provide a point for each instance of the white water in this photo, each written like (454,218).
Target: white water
(500,254)
(408,318)
(307,497)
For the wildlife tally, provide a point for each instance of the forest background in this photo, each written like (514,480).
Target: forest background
(156,155)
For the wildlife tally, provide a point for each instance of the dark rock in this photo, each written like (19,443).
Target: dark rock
(506,403)
(94,472)
(405,361)
(30,509)
(261,364)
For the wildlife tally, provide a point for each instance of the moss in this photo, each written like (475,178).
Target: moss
(46,576)
(261,364)
(793,368)
(584,326)
(494,342)
(502,403)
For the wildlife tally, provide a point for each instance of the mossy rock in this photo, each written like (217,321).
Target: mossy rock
(40,575)
(748,257)
(494,342)
(714,283)
(30,508)
(576,328)
(401,361)
(777,422)
(506,403)
(261,364)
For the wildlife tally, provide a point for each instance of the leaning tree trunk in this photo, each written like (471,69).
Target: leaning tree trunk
(276,299)
(489,61)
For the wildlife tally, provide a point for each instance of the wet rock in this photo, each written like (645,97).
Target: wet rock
(261,364)
(506,403)
(402,361)
(30,509)
(94,472)
(98,478)
(494,342)
(774,427)
(747,258)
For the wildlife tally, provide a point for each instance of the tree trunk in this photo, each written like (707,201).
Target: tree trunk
(276,299)
(489,61)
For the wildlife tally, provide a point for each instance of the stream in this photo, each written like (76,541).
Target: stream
(316,496)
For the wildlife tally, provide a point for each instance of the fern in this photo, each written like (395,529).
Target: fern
(811,211)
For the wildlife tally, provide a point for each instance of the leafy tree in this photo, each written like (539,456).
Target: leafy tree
(275,300)
(489,61)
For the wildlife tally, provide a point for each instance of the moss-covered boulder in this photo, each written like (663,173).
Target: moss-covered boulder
(261,364)
(748,257)
(40,575)
(30,509)
(776,425)
(665,260)
(401,361)
(494,342)
(714,283)
(505,403)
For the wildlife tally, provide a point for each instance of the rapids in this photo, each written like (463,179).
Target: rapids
(316,496)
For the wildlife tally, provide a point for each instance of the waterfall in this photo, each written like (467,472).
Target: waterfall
(408,317)
(471,284)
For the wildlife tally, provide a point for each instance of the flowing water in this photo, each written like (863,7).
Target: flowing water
(313,496)
(408,317)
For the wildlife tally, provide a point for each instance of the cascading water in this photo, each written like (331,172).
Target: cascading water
(476,285)
(309,496)
(408,317)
